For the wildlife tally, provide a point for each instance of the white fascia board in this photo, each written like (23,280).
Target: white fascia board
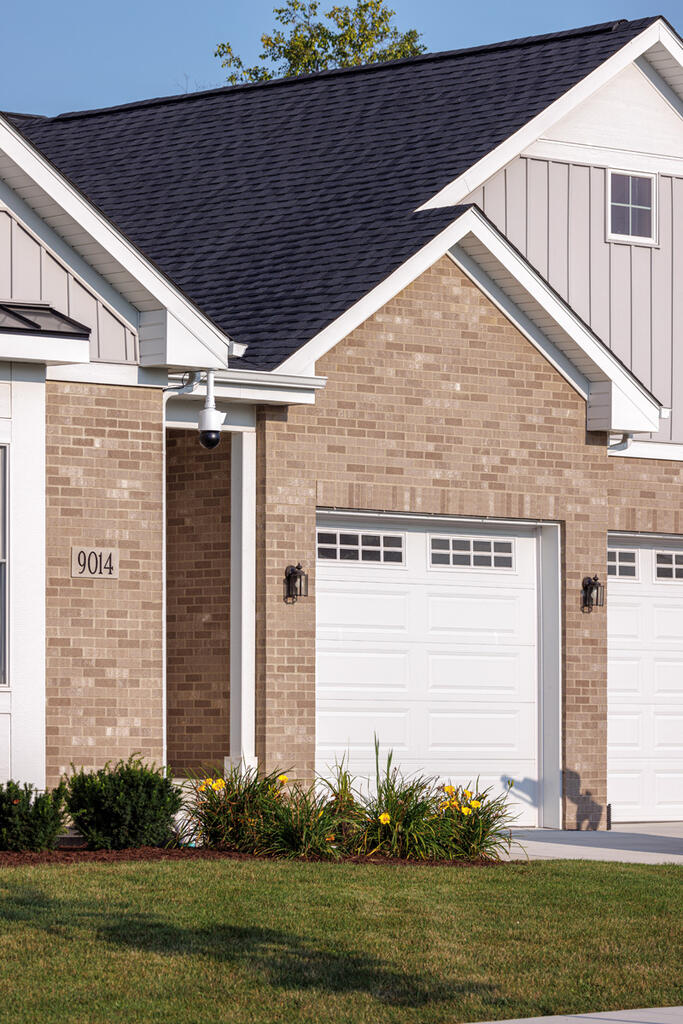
(664,451)
(600,356)
(599,156)
(48,349)
(262,388)
(456,191)
(122,374)
(74,203)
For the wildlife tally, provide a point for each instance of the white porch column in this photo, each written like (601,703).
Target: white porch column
(243,599)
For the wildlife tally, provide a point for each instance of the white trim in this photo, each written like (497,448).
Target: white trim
(663,450)
(599,156)
(26,575)
(75,205)
(126,374)
(43,348)
(257,386)
(456,191)
(243,601)
(616,399)
(653,238)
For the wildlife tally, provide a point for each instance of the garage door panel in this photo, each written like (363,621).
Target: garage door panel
(487,615)
(352,729)
(369,610)
(508,731)
(380,671)
(645,692)
(466,673)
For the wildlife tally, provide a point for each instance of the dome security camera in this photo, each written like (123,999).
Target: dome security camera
(210,419)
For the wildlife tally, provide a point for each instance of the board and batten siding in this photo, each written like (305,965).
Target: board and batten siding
(30,272)
(630,295)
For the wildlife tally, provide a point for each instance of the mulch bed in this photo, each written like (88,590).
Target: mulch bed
(154,853)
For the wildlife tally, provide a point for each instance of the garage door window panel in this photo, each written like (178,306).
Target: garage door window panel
(356,546)
(669,566)
(471,553)
(622,564)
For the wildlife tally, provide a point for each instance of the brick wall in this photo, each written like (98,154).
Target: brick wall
(198,595)
(434,405)
(104,464)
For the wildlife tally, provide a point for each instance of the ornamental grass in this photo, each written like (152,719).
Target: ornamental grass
(407,818)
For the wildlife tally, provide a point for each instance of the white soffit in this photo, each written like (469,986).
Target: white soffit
(67,212)
(664,54)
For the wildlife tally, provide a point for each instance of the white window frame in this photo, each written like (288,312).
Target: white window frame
(667,551)
(653,239)
(472,568)
(364,563)
(636,563)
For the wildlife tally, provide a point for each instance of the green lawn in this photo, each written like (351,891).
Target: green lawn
(258,942)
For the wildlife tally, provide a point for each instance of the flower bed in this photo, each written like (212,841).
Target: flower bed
(403,818)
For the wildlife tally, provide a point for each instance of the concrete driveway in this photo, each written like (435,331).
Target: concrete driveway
(636,844)
(661,1015)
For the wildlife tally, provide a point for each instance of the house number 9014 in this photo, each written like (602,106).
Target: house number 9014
(95,563)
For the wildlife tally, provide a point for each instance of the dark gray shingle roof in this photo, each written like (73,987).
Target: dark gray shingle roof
(275,207)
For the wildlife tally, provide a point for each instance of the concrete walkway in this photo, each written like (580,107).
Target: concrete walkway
(663,1015)
(636,844)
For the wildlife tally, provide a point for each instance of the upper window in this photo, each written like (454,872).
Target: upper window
(631,213)
(352,546)
(622,563)
(471,553)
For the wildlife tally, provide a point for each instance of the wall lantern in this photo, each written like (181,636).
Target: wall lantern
(296,583)
(592,594)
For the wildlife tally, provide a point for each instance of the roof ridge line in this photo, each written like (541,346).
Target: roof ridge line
(378,66)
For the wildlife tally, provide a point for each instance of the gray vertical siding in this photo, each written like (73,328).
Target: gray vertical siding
(30,272)
(630,295)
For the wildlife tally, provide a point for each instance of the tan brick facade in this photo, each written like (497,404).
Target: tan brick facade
(104,464)
(198,596)
(438,405)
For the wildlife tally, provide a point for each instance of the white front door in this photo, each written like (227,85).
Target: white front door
(645,679)
(427,638)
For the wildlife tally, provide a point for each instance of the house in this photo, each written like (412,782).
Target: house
(432,310)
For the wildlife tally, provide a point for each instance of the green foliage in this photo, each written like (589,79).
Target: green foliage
(124,805)
(408,818)
(345,36)
(30,820)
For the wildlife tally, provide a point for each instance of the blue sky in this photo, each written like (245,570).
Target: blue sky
(79,53)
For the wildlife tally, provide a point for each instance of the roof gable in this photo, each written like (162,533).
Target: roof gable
(275,208)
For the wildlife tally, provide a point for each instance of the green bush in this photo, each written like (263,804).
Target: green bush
(30,820)
(228,810)
(124,805)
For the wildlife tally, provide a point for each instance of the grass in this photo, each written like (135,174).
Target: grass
(261,941)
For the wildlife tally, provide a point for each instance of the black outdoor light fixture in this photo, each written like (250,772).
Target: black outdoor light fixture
(296,583)
(592,594)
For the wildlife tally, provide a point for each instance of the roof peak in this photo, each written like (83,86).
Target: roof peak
(523,41)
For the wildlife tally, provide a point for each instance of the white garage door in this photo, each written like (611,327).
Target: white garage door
(645,680)
(427,637)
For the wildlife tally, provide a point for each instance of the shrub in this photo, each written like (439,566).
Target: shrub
(228,809)
(472,825)
(124,805)
(30,820)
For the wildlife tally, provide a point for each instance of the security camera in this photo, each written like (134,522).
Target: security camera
(210,428)
(210,419)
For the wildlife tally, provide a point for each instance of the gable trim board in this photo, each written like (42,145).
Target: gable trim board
(613,395)
(53,184)
(456,191)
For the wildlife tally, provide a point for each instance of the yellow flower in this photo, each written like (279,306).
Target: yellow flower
(467,794)
(385,818)
(201,787)
(329,839)
(475,803)
(449,789)
(282,779)
(320,814)
(217,785)
(466,810)
(455,804)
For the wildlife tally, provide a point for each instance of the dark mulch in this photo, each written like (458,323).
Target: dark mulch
(154,853)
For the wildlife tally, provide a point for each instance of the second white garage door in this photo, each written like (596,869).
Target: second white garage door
(645,679)
(427,638)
